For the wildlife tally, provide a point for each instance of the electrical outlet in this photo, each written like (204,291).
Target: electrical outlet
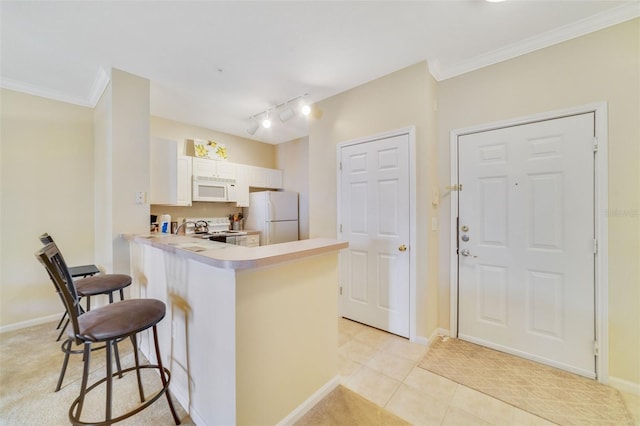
(141,197)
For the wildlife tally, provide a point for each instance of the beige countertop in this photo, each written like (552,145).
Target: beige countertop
(229,256)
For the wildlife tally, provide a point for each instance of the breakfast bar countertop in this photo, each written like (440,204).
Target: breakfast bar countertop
(229,256)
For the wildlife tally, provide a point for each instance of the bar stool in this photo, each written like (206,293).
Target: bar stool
(90,284)
(107,324)
(86,287)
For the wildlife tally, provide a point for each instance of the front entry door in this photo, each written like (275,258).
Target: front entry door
(526,241)
(374,180)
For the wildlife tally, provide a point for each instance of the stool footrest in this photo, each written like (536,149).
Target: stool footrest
(76,421)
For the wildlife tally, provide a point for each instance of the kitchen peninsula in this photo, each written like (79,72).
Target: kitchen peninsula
(250,335)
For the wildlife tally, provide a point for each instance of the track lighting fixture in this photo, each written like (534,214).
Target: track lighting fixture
(305,109)
(286,114)
(287,110)
(266,123)
(253,127)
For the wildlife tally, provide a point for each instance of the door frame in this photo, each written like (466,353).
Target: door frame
(410,131)
(601,273)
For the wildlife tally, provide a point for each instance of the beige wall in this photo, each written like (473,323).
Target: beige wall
(46,151)
(239,150)
(403,98)
(293,158)
(602,66)
(121,134)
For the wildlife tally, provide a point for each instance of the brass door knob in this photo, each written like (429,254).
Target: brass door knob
(402,248)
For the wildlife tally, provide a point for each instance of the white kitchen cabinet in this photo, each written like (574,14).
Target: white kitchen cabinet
(242,185)
(274,178)
(204,167)
(226,170)
(184,173)
(214,168)
(252,240)
(262,177)
(170,174)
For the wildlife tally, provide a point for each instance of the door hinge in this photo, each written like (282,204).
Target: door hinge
(596,348)
(340,290)
(454,187)
(595,144)
(340,228)
(341,166)
(595,246)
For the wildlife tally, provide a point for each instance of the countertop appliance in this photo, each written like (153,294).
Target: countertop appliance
(274,214)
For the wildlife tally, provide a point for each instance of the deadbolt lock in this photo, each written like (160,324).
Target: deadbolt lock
(464,228)
(402,248)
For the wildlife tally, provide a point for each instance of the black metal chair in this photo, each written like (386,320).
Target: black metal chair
(91,285)
(107,324)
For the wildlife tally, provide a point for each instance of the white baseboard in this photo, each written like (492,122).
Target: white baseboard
(421,340)
(427,341)
(625,385)
(310,402)
(30,323)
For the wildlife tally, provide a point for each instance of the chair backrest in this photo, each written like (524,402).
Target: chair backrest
(58,271)
(46,239)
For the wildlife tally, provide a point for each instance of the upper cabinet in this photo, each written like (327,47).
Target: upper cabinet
(185,171)
(261,177)
(170,174)
(214,168)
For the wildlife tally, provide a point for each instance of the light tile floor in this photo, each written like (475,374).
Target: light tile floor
(384,369)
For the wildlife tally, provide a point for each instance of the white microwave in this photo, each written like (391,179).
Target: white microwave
(213,189)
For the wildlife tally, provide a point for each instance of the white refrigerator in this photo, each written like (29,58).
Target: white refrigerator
(274,214)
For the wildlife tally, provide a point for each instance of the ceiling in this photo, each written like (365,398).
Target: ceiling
(217,63)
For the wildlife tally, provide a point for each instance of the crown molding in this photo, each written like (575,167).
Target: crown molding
(31,89)
(585,26)
(99,85)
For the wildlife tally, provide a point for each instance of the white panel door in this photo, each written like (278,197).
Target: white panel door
(526,241)
(375,220)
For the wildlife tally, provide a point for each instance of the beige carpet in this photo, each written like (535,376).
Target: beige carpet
(344,407)
(30,362)
(558,396)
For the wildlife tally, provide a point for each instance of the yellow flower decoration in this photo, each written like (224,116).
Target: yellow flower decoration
(201,150)
(221,150)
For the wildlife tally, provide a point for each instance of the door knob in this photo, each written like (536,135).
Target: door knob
(466,252)
(402,248)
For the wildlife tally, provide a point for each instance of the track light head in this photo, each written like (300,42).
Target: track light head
(286,114)
(253,127)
